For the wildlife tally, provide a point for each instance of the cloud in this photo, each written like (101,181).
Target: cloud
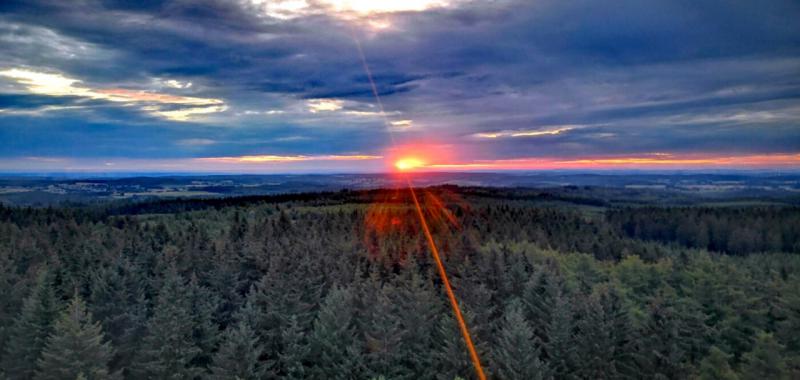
(29,101)
(184,114)
(347,9)
(496,80)
(39,111)
(271,112)
(281,159)
(651,161)
(340,107)
(272,164)
(196,142)
(324,105)
(386,6)
(174,83)
(47,84)
(53,84)
(525,133)
(401,125)
(281,9)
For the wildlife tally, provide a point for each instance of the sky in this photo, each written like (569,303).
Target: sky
(255,86)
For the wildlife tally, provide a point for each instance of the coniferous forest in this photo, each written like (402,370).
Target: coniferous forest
(342,286)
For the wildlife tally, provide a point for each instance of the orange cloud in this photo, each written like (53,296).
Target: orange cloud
(282,159)
(124,95)
(655,160)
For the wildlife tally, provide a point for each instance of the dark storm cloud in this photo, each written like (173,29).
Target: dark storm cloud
(635,76)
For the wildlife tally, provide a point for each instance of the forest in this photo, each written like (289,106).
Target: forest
(342,285)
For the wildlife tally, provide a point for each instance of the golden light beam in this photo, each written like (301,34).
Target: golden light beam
(462,324)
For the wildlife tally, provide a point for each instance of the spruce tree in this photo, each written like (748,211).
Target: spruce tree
(205,333)
(605,337)
(673,333)
(29,334)
(516,354)
(560,346)
(333,341)
(418,309)
(383,336)
(765,361)
(477,303)
(451,359)
(118,302)
(295,351)
(716,366)
(539,295)
(76,348)
(10,298)
(169,348)
(238,355)
(280,294)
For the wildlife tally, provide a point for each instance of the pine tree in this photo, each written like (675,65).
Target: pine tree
(765,361)
(169,347)
(333,341)
(716,366)
(76,348)
(29,334)
(238,355)
(516,354)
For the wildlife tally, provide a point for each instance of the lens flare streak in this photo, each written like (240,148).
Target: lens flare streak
(462,324)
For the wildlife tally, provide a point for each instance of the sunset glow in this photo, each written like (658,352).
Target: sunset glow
(276,158)
(410,163)
(650,161)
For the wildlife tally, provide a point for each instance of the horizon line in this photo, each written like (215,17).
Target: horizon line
(662,171)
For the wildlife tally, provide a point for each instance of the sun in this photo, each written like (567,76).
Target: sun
(408,163)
